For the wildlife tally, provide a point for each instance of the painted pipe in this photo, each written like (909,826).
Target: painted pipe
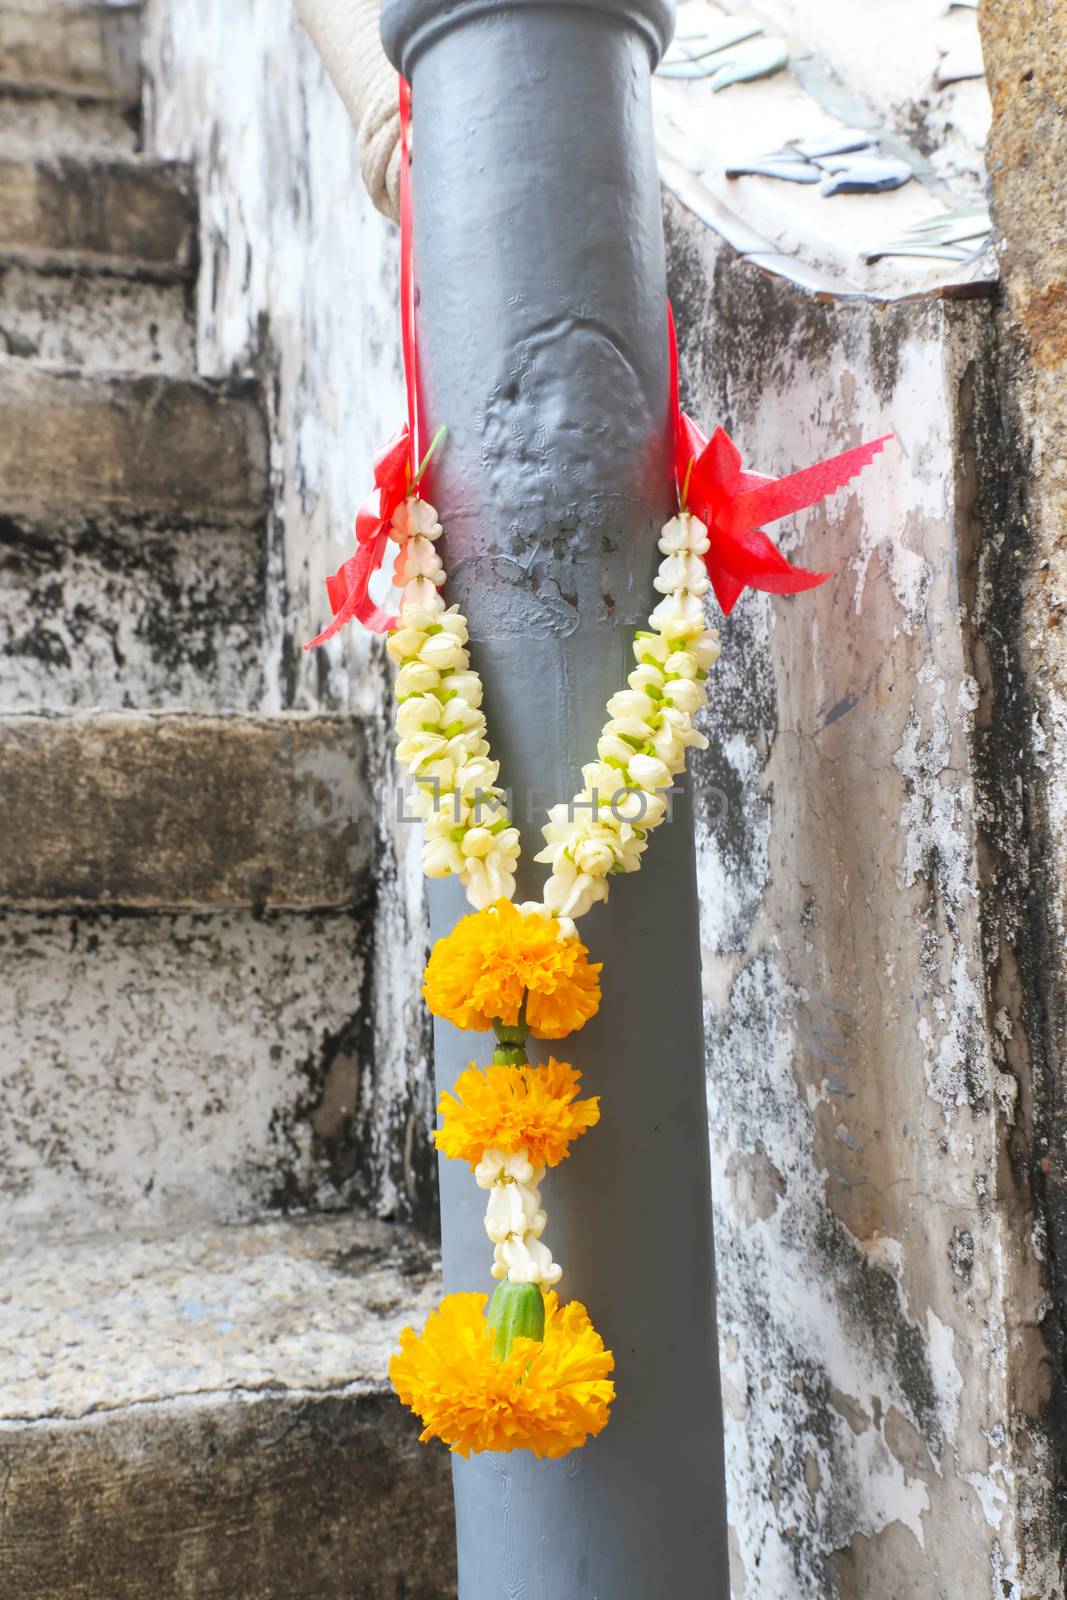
(540,269)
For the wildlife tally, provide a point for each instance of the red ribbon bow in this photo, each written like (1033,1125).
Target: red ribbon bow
(732,503)
(348,586)
(396,463)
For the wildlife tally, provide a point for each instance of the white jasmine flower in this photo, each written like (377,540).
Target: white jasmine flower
(417,715)
(415,677)
(517,1166)
(648,647)
(628,728)
(647,677)
(640,808)
(611,748)
(678,615)
(454,622)
(682,664)
(706,647)
(420,594)
(602,780)
(477,842)
(558,831)
(441,858)
(418,750)
(632,703)
(441,823)
(405,642)
(466,685)
(649,772)
(682,571)
(444,651)
(684,532)
(435,776)
(459,717)
(594,855)
(415,518)
(685,694)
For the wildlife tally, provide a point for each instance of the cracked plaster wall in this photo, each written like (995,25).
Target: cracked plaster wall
(1023,595)
(162,1071)
(880,1296)
(298,285)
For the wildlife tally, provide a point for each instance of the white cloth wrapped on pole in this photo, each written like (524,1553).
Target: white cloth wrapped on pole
(345,34)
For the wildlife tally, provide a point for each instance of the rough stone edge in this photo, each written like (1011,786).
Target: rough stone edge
(310,1489)
(340,882)
(1025,982)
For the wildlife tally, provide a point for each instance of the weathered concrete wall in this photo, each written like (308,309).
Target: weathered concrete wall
(298,284)
(298,281)
(157,553)
(879,1306)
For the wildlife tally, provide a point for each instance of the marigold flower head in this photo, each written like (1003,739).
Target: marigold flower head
(493,960)
(535,1109)
(547,1397)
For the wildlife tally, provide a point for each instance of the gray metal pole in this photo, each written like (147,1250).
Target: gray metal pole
(541,280)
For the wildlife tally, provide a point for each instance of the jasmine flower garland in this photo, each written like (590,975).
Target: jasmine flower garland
(523,1371)
(442,734)
(523,969)
(604,830)
(440,727)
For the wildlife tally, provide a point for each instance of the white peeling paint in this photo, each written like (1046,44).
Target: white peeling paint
(299,283)
(848,1050)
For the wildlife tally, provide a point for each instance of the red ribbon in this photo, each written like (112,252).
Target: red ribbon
(407,277)
(396,464)
(731,503)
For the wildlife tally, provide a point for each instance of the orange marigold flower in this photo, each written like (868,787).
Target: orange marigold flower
(535,1109)
(492,960)
(547,1397)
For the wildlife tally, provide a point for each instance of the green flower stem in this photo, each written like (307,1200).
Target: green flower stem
(516,1311)
(425,462)
(510,1055)
(511,1040)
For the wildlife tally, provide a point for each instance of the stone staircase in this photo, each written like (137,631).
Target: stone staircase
(195,1322)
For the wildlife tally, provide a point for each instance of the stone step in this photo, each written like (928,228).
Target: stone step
(93,52)
(112,214)
(97,323)
(177,1070)
(139,444)
(131,610)
(208,1415)
(180,811)
(35,125)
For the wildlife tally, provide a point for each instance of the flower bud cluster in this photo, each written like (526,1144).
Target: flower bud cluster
(604,829)
(515,1220)
(440,726)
